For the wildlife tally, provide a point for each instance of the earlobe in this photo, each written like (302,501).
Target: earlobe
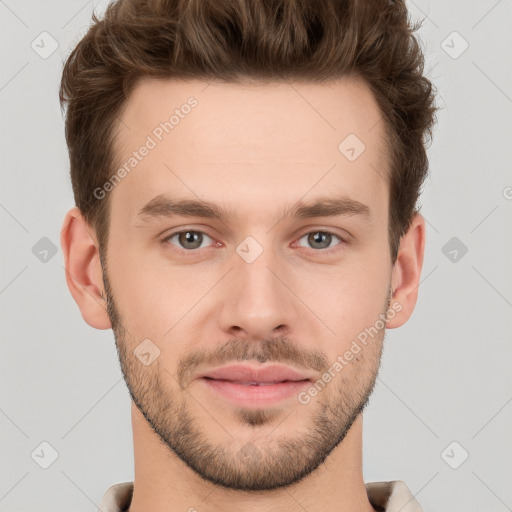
(406,272)
(83,270)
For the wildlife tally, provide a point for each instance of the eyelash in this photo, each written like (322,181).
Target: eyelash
(191,252)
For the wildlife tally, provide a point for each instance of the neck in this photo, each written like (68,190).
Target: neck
(163,482)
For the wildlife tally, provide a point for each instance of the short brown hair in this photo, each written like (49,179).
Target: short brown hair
(247,40)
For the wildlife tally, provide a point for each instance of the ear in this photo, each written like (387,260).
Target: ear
(405,277)
(84,275)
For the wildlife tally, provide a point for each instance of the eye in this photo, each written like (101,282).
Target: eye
(320,239)
(188,239)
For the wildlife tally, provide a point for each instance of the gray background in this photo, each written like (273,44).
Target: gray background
(445,375)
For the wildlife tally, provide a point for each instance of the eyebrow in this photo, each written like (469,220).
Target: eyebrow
(165,206)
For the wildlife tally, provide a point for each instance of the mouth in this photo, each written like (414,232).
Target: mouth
(249,386)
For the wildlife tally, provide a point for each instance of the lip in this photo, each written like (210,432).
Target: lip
(251,396)
(272,384)
(246,374)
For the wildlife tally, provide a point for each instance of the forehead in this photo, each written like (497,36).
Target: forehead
(237,144)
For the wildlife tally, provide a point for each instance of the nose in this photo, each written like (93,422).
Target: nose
(257,302)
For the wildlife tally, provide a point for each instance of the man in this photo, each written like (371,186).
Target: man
(246,176)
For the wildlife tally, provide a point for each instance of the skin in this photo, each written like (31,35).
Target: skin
(251,149)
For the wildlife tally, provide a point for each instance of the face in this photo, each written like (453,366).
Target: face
(255,274)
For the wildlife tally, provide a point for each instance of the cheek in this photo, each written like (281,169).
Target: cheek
(155,299)
(349,298)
